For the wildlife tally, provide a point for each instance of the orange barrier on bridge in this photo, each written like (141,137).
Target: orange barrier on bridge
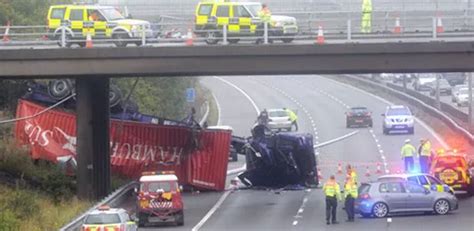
(198,157)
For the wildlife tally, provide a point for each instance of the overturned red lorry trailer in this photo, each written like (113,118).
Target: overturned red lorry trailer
(199,157)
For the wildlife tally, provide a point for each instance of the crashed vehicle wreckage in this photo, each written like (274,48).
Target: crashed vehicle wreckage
(278,160)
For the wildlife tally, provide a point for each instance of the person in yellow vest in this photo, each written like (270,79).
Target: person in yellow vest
(350,194)
(366,25)
(351,173)
(408,154)
(265,16)
(332,191)
(293,118)
(424,152)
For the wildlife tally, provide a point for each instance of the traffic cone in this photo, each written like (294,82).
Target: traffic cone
(339,168)
(189,38)
(89,41)
(379,168)
(367,172)
(320,37)
(6,37)
(398,28)
(439,25)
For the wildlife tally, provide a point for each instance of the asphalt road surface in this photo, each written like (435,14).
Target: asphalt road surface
(320,103)
(325,101)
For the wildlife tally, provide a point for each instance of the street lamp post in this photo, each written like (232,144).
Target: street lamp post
(469,86)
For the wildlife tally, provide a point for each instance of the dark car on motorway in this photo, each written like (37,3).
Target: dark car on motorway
(455,78)
(379,199)
(444,87)
(358,116)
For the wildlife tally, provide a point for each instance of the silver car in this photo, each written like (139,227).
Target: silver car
(455,91)
(278,119)
(379,199)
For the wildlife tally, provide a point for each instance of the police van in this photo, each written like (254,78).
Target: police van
(241,20)
(100,22)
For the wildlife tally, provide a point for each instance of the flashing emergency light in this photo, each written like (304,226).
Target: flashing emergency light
(158,173)
(104,208)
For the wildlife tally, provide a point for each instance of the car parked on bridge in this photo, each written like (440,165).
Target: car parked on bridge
(455,91)
(241,20)
(99,22)
(359,116)
(422,81)
(159,199)
(381,198)
(398,118)
(444,87)
(106,218)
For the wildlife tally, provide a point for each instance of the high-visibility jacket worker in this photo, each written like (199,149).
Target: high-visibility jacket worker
(332,191)
(350,194)
(366,24)
(352,173)
(424,152)
(265,14)
(293,117)
(408,153)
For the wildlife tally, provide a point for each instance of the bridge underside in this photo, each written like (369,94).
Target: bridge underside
(239,60)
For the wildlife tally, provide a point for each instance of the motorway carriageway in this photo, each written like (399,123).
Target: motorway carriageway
(321,104)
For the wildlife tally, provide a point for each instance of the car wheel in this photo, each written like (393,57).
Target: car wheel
(411,131)
(470,189)
(120,39)
(380,210)
(115,96)
(348,125)
(235,156)
(371,124)
(287,40)
(211,38)
(441,207)
(386,131)
(59,88)
(233,41)
(180,218)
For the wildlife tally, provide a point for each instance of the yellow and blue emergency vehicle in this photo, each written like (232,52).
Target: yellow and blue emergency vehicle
(428,181)
(241,20)
(99,22)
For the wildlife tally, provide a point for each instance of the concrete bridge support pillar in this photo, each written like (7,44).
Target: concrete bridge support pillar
(93,176)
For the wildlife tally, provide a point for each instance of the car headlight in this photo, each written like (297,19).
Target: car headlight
(134,28)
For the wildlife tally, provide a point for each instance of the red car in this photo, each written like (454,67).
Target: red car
(159,199)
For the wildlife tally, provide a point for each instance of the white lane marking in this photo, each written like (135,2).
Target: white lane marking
(218,109)
(295,222)
(230,172)
(336,139)
(211,211)
(241,91)
(423,124)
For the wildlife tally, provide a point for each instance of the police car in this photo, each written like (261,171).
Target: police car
(159,199)
(428,181)
(398,118)
(106,218)
(241,19)
(100,22)
(453,169)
